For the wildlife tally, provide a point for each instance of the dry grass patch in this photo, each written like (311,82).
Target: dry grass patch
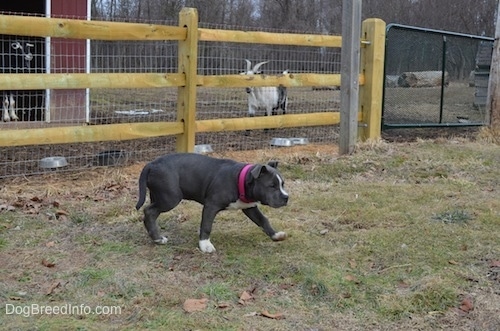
(395,236)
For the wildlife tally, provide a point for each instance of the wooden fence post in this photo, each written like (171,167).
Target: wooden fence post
(372,67)
(187,65)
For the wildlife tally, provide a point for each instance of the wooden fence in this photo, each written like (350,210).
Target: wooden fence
(186,80)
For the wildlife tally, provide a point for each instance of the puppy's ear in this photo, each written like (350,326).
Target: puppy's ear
(260,168)
(273,164)
(257,170)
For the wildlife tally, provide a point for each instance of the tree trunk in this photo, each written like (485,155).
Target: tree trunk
(422,79)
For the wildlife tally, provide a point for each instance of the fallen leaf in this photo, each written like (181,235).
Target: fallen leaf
(192,305)
(466,305)
(48,264)
(495,264)
(50,244)
(353,263)
(452,262)
(244,297)
(19,203)
(222,305)
(403,284)
(351,278)
(51,289)
(276,316)
(60,212)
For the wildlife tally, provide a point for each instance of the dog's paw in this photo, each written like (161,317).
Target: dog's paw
(161,241)
(206,246)
(279,236)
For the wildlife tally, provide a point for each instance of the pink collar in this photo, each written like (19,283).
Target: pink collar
(241,184)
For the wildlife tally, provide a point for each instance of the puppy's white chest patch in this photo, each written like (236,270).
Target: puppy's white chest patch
(240,205)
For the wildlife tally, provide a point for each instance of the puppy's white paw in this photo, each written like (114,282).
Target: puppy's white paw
(279,236)
(161,241)
(206,246)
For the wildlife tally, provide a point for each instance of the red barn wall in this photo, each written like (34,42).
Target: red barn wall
(68,56)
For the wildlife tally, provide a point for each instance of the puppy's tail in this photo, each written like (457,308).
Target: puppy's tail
(143,179)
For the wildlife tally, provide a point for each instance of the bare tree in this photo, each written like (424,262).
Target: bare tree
(320,16)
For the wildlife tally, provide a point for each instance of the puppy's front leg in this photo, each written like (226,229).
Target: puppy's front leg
(207,219)
(258,218)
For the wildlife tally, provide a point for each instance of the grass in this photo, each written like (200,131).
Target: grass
(454,216)
(394,236)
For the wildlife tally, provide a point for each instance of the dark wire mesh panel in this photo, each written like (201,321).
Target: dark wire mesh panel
(434,78)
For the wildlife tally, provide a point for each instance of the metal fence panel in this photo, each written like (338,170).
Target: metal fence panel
(434,78)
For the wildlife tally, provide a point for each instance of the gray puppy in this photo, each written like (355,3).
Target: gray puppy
(218,184)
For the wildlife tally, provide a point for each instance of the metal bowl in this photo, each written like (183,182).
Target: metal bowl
(283,142)
(111,158)
(53,162)
(299,141)
(203,149)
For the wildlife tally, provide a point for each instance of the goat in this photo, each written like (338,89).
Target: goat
(270,98)
(9,65)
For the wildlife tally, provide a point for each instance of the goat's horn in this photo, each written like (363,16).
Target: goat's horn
(257,66)
(249,65)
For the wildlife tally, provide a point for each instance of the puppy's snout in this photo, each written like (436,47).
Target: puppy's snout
(285,198)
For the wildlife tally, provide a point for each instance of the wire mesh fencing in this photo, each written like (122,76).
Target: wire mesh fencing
(435,78)
(128,105)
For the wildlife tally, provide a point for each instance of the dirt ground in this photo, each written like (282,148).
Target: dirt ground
(105,186)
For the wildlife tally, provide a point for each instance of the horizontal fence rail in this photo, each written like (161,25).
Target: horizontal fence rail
(83,29)
(255,37)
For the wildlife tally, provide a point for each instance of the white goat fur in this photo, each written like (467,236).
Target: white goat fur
(9,111)
(269,98)
(8,62)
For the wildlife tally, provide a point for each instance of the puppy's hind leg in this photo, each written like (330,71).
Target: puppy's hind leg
(151,213)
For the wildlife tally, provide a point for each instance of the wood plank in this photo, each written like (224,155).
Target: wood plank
(86,134)
(151,80)
(83,29)
(129,131)
(258,37)
(268,122)
(288,80)
(76,81)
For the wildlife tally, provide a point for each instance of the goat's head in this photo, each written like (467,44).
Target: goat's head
(255,69)
(24,48)
(252,71)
